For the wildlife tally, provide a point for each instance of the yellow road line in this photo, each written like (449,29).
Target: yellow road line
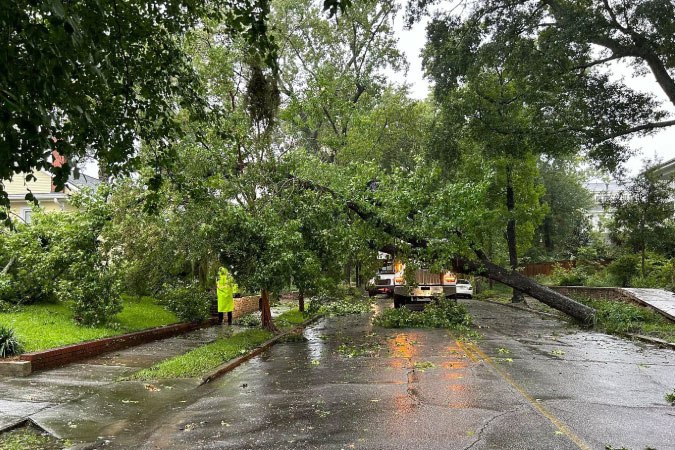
(468,352)
(554,420)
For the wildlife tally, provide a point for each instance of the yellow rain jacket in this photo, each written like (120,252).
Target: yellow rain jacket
(226,289)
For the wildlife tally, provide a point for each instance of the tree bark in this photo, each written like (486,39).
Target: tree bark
(301,300)
(8,266)
(511,233)
(266,313)
(524,284)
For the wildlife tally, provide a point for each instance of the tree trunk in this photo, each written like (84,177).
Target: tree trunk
(301,300)
(644,257)
(511,233)
(8,266)
(266,313)
(524,284)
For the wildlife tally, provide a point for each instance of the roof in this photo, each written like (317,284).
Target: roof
(665,168)
(83,181)
(601,186)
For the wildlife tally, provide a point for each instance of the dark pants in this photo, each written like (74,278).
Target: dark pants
(221,316)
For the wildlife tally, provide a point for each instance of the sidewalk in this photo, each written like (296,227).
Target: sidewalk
(83,402)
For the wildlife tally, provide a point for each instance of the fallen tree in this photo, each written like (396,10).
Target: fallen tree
(482,267)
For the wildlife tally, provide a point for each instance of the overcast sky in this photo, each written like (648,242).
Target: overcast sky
(659,145)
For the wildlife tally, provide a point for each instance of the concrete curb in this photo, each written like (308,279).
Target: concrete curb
(27,363)
(639,337)
(651,340)
(522,308)
(230,365)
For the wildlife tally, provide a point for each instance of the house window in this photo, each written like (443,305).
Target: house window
(25,214)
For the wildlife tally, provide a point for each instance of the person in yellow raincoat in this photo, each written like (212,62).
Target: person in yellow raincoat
(226,290)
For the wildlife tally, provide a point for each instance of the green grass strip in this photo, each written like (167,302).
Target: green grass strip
(203,359)
(48,325)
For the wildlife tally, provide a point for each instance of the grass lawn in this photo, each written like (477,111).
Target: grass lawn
(44,326)
(203,359)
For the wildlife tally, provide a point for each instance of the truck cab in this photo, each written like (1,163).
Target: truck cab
(383,282)
(427,286)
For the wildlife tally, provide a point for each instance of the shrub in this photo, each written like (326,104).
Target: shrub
(249,320)
(624,269)
(187,300)
(9,344)
(443,313)
(7,292)
(95,297)
(567,277)
(620,317)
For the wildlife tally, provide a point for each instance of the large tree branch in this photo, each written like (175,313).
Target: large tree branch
(483,267)
(638,128)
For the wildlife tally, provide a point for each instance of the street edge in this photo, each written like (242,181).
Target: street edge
(522,308)
(640,337)
(231,365)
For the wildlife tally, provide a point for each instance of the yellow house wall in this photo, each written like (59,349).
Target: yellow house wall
(19,185)
(47,205)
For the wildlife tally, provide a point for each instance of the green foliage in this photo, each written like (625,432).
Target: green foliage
(29,438)
(624,269)
(48,325)
(95,296)
(187,300)
(248,320)
(670,398)
(9,343)
(643,216)
(290,319)
(58,257)
(203,359)
(560,276)
(344,302)
(106,75)
(441,314)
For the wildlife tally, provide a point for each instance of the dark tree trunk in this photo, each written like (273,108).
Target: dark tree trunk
(266,313)
(511,233)
(301,300)
(548,229)
(524,284)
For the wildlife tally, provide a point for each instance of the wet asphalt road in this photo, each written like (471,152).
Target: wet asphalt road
(528,383)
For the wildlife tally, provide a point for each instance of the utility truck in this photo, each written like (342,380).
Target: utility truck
(383,282)
(426,286)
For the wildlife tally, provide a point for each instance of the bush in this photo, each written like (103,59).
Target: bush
(443,313)
(187,300)
(249,320)
(624,269)
(567,277)
(9,344)
(7,292)
(95,297)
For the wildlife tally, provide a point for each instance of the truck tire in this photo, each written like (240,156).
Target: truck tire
(399,301)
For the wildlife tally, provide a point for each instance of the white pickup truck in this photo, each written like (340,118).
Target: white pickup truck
(427,286)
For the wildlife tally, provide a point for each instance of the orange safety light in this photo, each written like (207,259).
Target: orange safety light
(449,277)
(398,267)
(398,280)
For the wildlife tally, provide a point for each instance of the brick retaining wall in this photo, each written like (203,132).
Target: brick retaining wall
(247,305)
(242,306)
(597,293)
(75,352)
